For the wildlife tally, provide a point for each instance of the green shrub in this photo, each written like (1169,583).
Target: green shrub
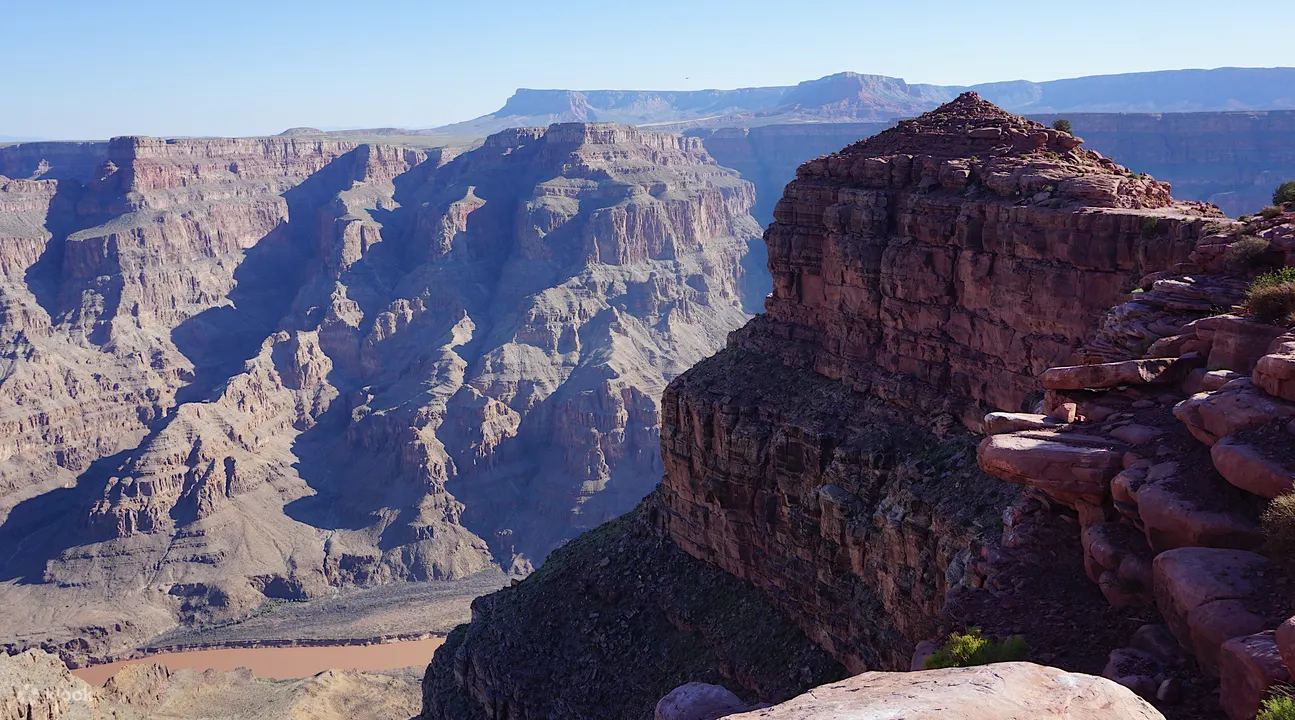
(1272,303)
(973,648)
(1249,251)
(1063,125)
(1270,212)
(1285,193)
(1277,707)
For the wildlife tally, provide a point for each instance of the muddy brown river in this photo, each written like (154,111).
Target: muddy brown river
(282,663)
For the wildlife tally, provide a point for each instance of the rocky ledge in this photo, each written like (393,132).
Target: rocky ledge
(1169,445)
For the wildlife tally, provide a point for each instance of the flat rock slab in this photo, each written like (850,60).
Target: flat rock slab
(1109,375)
(1005,691)
(1237,406)
(1247,468)
(698,701)
(1064,471)
(997,423)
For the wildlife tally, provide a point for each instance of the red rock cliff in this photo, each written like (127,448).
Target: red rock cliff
(920,277)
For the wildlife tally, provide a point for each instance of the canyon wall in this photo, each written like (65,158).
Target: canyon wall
(261,368)
(823,458)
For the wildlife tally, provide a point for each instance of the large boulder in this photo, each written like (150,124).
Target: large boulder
(698,701)
(1056,464)
(1005,691)
(1275,372)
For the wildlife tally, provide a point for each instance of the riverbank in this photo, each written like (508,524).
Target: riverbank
(282,662)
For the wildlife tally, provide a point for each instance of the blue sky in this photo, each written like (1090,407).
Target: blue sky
(80,69)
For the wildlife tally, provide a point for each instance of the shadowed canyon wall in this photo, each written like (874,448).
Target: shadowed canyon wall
(240,369)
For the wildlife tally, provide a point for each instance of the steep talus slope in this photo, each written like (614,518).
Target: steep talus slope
(271,366)
(821,458)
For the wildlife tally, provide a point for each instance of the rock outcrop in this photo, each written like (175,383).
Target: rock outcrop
(1168,444)
(920,277)
(240,369)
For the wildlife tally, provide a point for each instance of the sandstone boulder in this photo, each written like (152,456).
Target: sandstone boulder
(698,701)
(1249,468)
(1248,667)
(1275,372)
(1065,471)
(1006,691)
(1237,406)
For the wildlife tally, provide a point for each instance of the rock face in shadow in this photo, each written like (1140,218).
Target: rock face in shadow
(240,369)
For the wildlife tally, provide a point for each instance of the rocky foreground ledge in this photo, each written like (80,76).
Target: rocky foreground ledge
(1005,691)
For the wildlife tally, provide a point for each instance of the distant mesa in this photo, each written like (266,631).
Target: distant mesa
(294,132)
(851,97)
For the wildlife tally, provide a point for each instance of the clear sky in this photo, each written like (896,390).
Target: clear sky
(82,69)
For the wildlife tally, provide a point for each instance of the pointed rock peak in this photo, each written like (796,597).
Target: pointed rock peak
(967,126)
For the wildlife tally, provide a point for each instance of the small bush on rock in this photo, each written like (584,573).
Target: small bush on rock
(1063,125)
(1248,251)
(973,648)
(1285,193)
(1271,297)
(1270,212)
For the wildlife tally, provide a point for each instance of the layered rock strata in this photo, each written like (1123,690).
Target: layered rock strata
(822,456)
(943,264)
(242,369)
(1169,444)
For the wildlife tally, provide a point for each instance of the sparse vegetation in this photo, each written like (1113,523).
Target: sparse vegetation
(1063,125)
(1279,528)
(1271,297)
(1249,251)
(973,648)
(1270,212)
(1285,193)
